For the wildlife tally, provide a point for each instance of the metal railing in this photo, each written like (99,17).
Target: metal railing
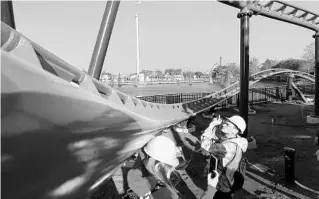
(173,98)
(256,96)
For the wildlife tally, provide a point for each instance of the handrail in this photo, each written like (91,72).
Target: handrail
(192,96)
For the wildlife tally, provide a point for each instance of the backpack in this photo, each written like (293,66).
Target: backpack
(239,175)
(130,194)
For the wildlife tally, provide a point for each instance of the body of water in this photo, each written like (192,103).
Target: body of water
(160,89)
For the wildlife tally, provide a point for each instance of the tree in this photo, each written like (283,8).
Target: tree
(268,64)
(233,68)
(296,64)
(159,74)
(169,71)
(221,74)
(187,74)
(198,74)
(309,53)
(178,71)
(254,65)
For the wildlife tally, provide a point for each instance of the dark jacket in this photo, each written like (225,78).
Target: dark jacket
(142,183)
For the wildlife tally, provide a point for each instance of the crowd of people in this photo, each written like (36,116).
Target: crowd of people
(154,174)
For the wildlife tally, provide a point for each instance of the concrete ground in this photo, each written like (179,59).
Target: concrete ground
(266,168)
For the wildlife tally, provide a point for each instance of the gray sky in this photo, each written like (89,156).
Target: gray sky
(172,34)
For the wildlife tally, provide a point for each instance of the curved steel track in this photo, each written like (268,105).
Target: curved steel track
(63,130)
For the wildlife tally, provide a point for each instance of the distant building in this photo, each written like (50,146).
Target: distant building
(194,77)
(106,76)
(179,77)
(141,78)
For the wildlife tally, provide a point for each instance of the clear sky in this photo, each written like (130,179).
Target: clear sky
(172,34)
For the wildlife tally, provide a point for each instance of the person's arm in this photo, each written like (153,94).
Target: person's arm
(190,141)
(218,150)
(138,183)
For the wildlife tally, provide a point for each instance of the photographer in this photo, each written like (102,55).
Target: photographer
(151,176)
(222,140)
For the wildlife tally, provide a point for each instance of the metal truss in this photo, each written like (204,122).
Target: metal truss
(280,10)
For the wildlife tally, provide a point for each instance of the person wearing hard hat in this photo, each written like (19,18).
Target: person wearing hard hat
(222,140)
(151,176)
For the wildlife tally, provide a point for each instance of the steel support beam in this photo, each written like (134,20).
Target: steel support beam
(289,88)
(244,16)
(103,39)
(7,15)
(316,36)
(282,14)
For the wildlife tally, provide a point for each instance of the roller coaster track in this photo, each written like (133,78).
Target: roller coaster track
(280,10)
(61,127)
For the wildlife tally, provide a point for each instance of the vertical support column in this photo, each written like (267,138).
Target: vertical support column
(7,15)
(316,36)
(289,88)
(103,38)
(244,16)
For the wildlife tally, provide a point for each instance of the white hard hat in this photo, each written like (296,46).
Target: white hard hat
(239,122)
(163,149)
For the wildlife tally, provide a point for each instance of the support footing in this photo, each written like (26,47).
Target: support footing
(312,119)
(251,143)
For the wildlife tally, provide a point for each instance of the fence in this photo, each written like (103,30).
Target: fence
(173,98)
(256,96)
(306,88)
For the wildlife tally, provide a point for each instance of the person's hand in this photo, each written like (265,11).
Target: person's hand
(209,131)
(212,179)
(218,120)
(206,143)
(204,152)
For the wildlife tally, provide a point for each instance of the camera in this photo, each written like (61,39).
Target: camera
(213,166)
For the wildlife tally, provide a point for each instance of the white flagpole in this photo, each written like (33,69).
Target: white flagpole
(137,44)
